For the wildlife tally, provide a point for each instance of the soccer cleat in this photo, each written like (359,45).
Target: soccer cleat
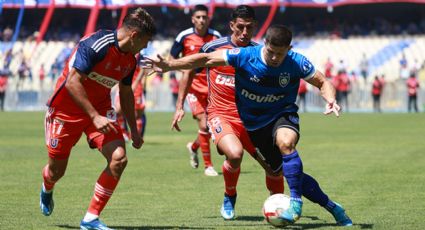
(228,207)
(94,224)
(46,202)
(293,213)
(210,171)
(340,217)
(194,161)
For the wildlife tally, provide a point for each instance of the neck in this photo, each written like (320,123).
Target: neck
(201,32)
(123,40)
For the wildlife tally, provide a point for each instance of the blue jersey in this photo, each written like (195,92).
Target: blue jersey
(264,93)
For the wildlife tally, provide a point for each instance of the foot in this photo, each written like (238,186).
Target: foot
(94,224)
(194,161)
(340,217)
(210,171)
(293,213)
(46,202)
(228,207)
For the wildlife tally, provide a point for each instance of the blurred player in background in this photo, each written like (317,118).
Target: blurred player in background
(139,103)
(190,42)
(266,84)
(81,103)
(225,125)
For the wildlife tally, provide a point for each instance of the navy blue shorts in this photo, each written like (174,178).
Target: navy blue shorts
(264,139)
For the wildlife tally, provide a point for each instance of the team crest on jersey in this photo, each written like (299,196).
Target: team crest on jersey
(54,143)
(284,79)
(294,119)
(234,51)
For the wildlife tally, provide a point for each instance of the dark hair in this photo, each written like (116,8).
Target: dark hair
(243,11)
(278,35)
(140,20)
(199,7)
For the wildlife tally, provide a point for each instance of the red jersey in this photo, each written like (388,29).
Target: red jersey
(412,86)
(221,81)
(189,42)
(98,56)
(342,82)
(377,86)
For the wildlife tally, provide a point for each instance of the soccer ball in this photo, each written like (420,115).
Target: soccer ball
(277,202)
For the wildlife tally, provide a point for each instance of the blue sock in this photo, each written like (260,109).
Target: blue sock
(313,192)
(293,171)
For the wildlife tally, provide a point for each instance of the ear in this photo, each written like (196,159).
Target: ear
(231,24)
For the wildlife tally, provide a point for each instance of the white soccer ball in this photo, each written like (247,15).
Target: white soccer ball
(273,205)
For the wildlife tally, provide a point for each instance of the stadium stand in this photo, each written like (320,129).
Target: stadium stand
(322,31)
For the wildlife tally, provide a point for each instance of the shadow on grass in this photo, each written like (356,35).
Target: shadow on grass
(140,227)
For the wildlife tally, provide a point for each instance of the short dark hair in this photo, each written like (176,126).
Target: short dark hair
(199,7)
(243,11)
(279,35)
(140,20)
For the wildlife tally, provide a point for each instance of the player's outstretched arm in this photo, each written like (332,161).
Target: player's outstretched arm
(198,60)
(79,95)
(327,91)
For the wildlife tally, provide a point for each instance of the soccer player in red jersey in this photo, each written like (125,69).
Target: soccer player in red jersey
(139,104)
(81,103)
(228,132)
(189,42)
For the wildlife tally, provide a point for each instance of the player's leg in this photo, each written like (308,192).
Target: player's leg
(112,146)
(286,132)
(204,141)
(52,172)
(313,192)
(231,147)
(60,136)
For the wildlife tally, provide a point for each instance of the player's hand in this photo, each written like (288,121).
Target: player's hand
(332,107)
(178,116)
(158,64)
(103,124)
(137,140)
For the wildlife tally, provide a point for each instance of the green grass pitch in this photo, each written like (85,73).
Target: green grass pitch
(373,164)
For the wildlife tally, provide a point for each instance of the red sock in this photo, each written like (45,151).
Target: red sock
(103,190)
(195,144)
(204,140)
(139,124)
(47,180)
(275,184)
(231,176)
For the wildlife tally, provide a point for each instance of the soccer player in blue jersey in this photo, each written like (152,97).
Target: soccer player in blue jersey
(266,83)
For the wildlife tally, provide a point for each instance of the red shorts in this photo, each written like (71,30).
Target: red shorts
(197,103)
(220,126)
(62,132)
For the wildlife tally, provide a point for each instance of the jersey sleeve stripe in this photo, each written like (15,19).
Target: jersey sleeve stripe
(217,42)
(214,32)
(103,44)
(183,34)
(100,40)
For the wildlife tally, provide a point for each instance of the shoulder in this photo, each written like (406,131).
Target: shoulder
(98,40)
(214,32)
(252,43)
(213,45)
(184,34)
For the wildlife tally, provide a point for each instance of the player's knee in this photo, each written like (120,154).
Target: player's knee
(118,164)
(286,146)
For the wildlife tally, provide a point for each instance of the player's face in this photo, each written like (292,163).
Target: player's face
(139,42)
(274,55)
(243,30)
(200,20)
